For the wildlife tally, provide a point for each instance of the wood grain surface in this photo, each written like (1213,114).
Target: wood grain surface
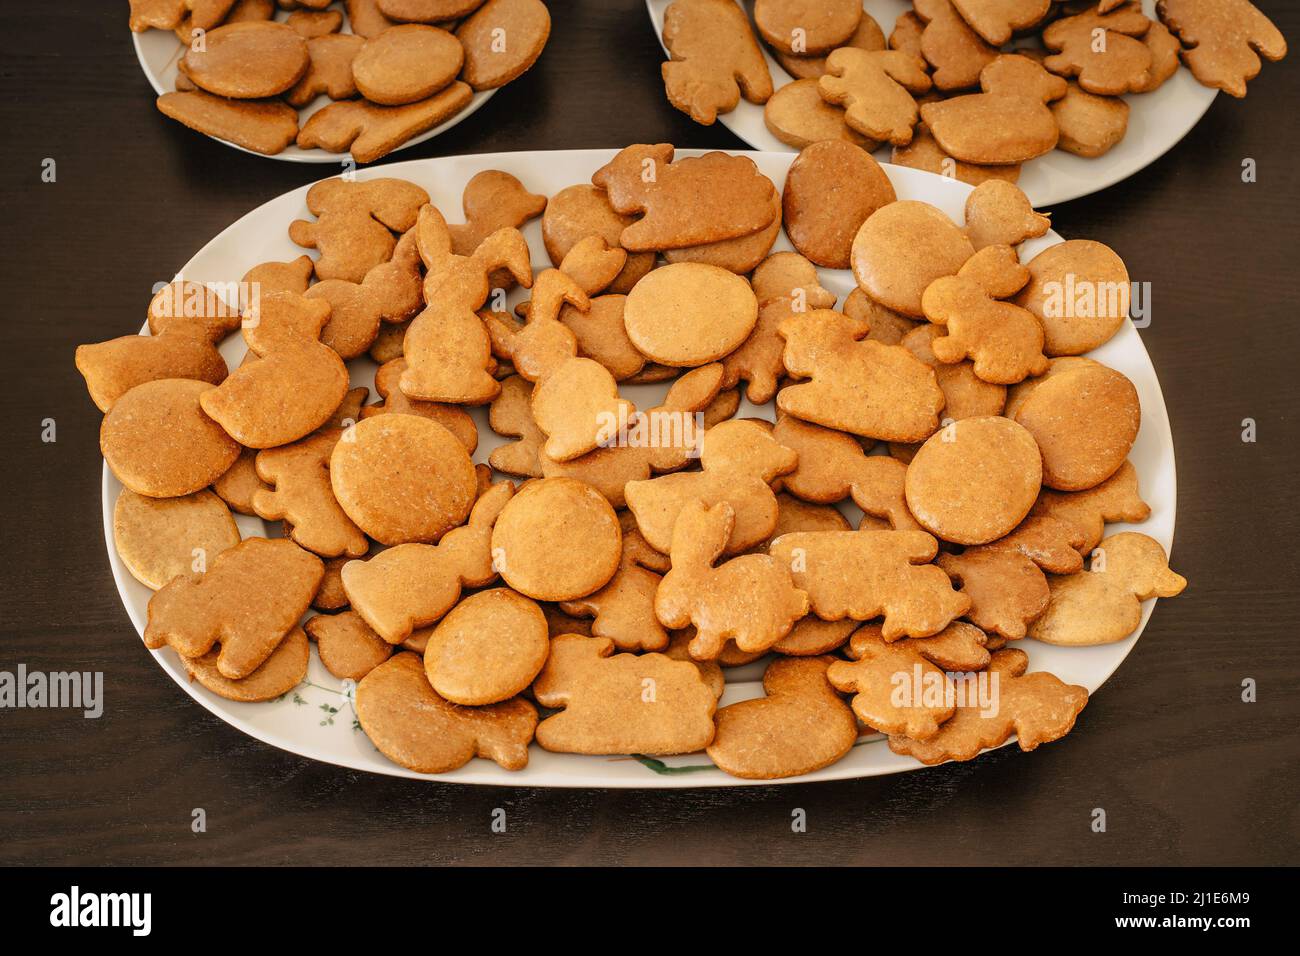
(1186,772)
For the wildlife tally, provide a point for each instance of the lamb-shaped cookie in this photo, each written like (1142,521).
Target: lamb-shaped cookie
(690,202)
(1103,50)
(621,703)
(624,608)
(1221,39)
(1038,708)
(451,417)
(740,459)
(875,88)
(1003,340)
(293,383)
(996,20)
(784,283)
(998,213)
(750,600)
(1104,604)
(186,321)
(663,439)
(1009,122)
(832,466)
(1004,579)
(801,725)
(412,585)
(901,687)
(856,384)
(1115,499)
(412,726)
(355,222)
(247,601)
(865,574)
(956,52)
(447,349)
(714,59)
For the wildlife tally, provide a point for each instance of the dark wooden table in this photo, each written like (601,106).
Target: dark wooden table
(1186,772)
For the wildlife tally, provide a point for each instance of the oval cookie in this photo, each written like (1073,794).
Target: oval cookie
(406,63)
(902,248)
(488,648)
(248,61)
(159,538)
(1079,289)
(689,313)
(830,191)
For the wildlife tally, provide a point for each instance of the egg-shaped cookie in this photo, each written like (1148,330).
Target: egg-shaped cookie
(1080,291)
(902,248)
(558,539)
(1085,417)
(689,313)
(830,191)
(402,478)
(406,63)
(247,61)
(974,480)
(488,648)
(159,442)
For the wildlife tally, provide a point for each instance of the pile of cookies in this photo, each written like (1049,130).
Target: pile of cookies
(646,550)
(967,88)
(401,68)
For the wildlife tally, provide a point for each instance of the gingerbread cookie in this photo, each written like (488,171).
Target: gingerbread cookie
(1104,51)
(451,417)
(1115,499)
(583,210)
(247,61)
(884,325)
(330,71)
(902,248)
(1221,40)
(280,673)
(161,538)
(298,491)
(355,222)
(801,27)
(511,415)
(263,126)
(348,648)
(740,255)
(492,200)
(925,153)
(1079,290)
(502,40)
(875,89)
(406,63)
(801,725)
(689,314)
(996,20)
(623,610)
(832,188)
(713,59)
(797,115)
(1000,214)
(956,52)
(370,132)
(414,727)
(867,35)
(621,703)
(487,649)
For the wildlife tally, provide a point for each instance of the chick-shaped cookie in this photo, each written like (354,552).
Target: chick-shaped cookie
(1102,49)
(621,703)
(411,725)
(801,725)
(293,383)
(1038,708)
(1104,604)
(247,600)
(901,687)
(715,59)
(355,222)
(875,88)
(998,213)
(750,600)
(186,321)
(856,384)
(865,574)
(739,461)
(575,400)
(1009,122)
(832,466)
(447,349)
(624,608)
(1003,341)
(412,585)
(1221,40)
(492,200)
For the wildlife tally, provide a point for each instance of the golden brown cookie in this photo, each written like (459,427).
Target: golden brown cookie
(1079,290)
(298,491)
(280,673)
(310,24)
(159,442)
(365,18)
(831,189)
(621,703)
(956,52)
(451,417)
(487,649)
(801,725)
(492,200)
(875,89)
(502,40)
(803,27)
(370,132)
(1221,40)
(1000,214)
(1104,51)
(511,415)
(1090,125)
(713,59)
(797,115)
(885,325)
(996,20)
(355,222)
(237,483)
(412,726)
(160,538)
(263,126)
(247,61)
(406,63)
(965,394)
(689,314)
(348,648)
(1115,499)
(902,248)
(330,71)
(867,35)
(925,153)
(623,610)
(583,210)
(974,480)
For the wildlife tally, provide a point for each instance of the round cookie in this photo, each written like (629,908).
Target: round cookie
(159,538)
(902,248)
(1085,418)
(974,480)
(406,63)
(159,442)
(248,61)
(402,478)
(689,313)
(867,36)
(488,648)
(807,27)
(524,25)
(830,191)
(797,115)
(1079,289)
(558,539)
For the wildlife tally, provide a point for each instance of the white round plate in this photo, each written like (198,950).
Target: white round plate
(160,50)
(316,719)
(1157,121)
